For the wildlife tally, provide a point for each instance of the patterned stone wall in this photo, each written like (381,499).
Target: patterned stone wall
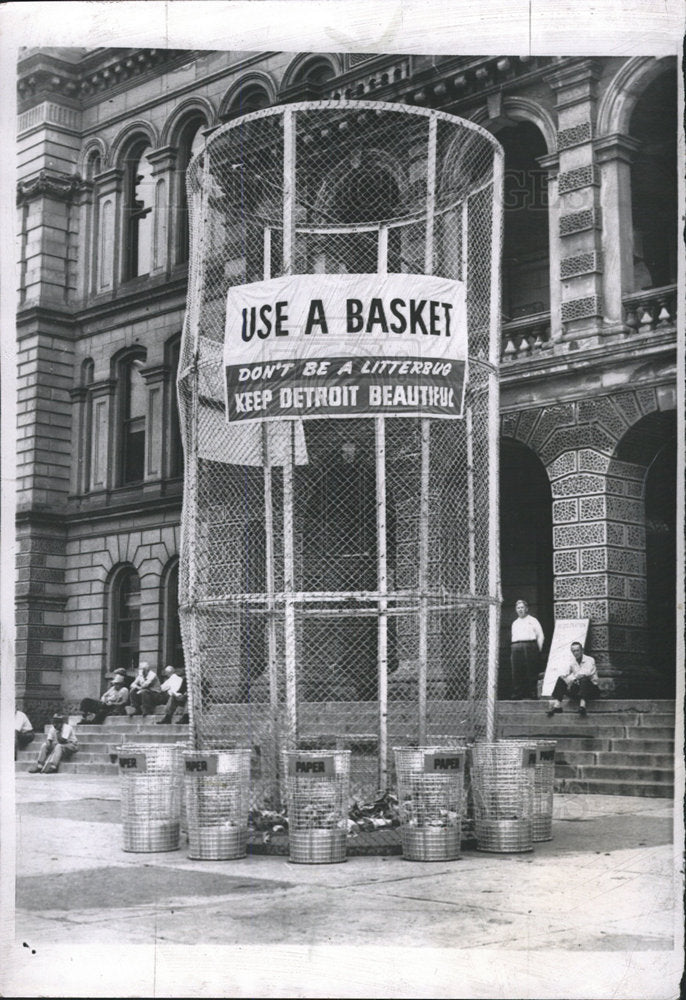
(598,518)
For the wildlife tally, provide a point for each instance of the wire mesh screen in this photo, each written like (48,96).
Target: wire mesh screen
(339,581)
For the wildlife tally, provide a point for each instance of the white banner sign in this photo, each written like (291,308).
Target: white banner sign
(312,345)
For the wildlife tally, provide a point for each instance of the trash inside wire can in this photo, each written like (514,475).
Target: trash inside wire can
(150,781)
(217,795)
(317,794)
(430,798)
(502,776)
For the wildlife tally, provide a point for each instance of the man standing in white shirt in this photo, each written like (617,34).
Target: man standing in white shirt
(580,681)
(527,643)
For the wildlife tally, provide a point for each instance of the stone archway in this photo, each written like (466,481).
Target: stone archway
(649,448)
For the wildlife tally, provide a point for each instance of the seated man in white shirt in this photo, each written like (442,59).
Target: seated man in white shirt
(144,684)
(60,738)
(580,681)
(175,689)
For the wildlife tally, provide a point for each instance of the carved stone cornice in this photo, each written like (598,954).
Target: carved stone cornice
(46,72)
(615,147)
(50,183)
(155,373)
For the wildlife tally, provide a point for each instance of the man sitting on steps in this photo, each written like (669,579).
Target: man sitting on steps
(580,681)
(144,688)
(112,702)
(175,685)
(60,738)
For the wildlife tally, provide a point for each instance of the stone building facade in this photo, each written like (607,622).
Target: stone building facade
(588,375)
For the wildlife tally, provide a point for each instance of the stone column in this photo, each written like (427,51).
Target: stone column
(599,558)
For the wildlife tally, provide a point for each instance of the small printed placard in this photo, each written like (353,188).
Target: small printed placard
(133,762)
(443,763)
(312,767)
(201,765)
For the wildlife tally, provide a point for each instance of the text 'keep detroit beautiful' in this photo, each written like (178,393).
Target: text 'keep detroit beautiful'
(401,383)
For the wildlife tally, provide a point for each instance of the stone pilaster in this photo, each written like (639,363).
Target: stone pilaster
(108,241)
(613,155)
(578,192)
(164,180)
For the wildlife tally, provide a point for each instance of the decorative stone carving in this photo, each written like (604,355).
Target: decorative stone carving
(580,177)
(51,183)
(565,511)
(590,262)
(585,308)
(574,136)
(578,222)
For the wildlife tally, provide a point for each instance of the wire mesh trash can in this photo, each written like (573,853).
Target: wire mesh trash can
(150,779)
(544,776)
(430,795)
(317,794)
(217,793)
(503,790)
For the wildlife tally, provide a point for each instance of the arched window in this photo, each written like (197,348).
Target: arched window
(132,406)
(125,620)
(654,124)
(526,269)
(191,141)
(252,97)
(172,648)
(139,199)
(174,442)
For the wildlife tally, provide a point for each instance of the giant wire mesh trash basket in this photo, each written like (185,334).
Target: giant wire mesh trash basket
(430,788)
(317,795)
(217,794)
(503,789)
(150,778)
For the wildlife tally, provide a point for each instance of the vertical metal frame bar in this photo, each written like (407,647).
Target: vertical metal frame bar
(471,526)
(425,462)
(289,588)
(272,664)
(288,540)
(382,555)
(493,436)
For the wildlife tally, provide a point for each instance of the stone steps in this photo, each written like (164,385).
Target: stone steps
(620,748)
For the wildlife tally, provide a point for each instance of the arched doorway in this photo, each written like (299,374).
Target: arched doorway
(526,546)
(651,444)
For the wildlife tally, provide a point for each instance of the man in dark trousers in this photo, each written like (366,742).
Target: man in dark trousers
(113,701)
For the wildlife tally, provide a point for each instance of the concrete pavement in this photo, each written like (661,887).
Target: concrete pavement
(604,895)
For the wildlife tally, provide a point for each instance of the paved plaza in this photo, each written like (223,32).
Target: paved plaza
(593,913)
